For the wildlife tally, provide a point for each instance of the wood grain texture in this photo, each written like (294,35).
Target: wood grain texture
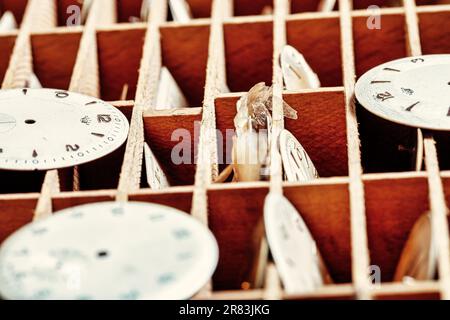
(119,54)
(321,127)
(377,46)
(304,5)
(434,28)
(127,9)
(251,7)
(236,210)
(163,134)
(15,212)
(17,7)
(6,47)
(54,56)
(360,254)
(248,54)
(393,206)
(200,8)
(233,216)
(149,71)
(185,54)
(38,16)
(319,41)
(326,211)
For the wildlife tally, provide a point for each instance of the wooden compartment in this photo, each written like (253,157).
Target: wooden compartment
(185,54)
(248,54)
(128,10)
(367,199)
(54,57)
(6,48)
(319,42)
(164,131)
(119,55)
(17,7)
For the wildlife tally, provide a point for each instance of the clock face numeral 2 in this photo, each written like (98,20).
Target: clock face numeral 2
(72,148)
(384,96)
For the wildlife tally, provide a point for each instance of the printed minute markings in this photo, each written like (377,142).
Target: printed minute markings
(380,81)
(392,69)
(100,135)
(412,106)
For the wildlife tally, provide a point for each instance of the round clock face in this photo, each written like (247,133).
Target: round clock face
(42,129)
(412,91)
(111,250)
(296,162)
(297,73)
(292,245)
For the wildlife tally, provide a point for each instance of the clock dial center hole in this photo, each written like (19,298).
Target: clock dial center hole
(30,121)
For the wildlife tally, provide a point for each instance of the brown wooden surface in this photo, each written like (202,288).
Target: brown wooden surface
(17,7)
(54,58)
(119,54)
(319,41)
(6,48)
(393,206)
(15,212)
(127,9)
(248,54)
(304,5)
(159,131)
(185,53)
(200,8)
(373,47)
(251,7)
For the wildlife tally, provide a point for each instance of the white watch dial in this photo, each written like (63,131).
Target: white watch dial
(411,91)
(297,164)
(42,129)
(292,245)
(109,250)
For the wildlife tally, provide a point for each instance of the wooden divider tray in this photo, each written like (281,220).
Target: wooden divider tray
(364,205)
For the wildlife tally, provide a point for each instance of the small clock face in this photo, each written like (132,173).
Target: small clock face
(43,129)
(118,251)
(412,91)
(296,162)
(292,246)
